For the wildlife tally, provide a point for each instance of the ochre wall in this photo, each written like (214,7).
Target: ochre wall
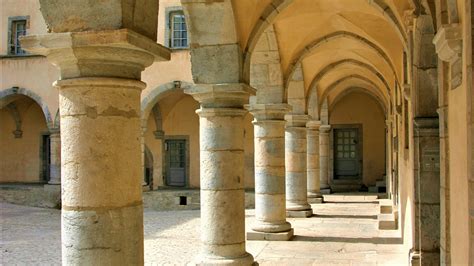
(20,157)
(179,117)
(460,132)
(360,108)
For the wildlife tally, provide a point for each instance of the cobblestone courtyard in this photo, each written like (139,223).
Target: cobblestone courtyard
(340,234)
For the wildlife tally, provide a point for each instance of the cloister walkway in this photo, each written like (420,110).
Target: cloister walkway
(341,233)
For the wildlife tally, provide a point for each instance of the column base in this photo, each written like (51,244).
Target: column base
(299,214)
(281,236)
(415,258)
(266,227)
(316,200)
(246,259)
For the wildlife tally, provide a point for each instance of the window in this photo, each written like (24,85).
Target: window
(17,28)
(178,31)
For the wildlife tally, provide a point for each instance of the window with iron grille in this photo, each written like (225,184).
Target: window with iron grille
(178,31)
(17,28)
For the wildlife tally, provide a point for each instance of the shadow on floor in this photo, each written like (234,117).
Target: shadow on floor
(373,217)
(371,240)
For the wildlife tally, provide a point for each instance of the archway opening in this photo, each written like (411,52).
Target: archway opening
(357,143)
(24,141)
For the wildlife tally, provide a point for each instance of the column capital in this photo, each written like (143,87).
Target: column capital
(324,129)
(110,53)
(296,120)
(263,112)
(448,42)
(313,124)
(54,133)
(227,95)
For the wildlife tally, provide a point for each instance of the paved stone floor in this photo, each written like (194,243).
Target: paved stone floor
(340,234)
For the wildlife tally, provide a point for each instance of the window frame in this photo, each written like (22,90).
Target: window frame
(12,35)
(170,12)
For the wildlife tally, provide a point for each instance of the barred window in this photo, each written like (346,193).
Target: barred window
(18,29)
(179,33)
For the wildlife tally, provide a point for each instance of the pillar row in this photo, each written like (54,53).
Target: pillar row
(324,158)
(314,193)
(222,172)
(99,103)
(270,206)
(55,157)
(295,163)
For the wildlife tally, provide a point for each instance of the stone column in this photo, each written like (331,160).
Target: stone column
(324,158)
(314,193)
(222,172)
(99,101)
(270,206)
(295,163)
(55,157)
(388,161)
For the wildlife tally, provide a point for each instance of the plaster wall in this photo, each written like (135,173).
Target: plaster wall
(360,108)
(20,157)
(460,156)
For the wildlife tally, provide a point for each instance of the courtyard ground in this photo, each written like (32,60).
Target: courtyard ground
(340,233)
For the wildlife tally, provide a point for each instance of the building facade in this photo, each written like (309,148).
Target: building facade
(293,98)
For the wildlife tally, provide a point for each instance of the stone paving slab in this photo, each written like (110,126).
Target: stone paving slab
(31,236)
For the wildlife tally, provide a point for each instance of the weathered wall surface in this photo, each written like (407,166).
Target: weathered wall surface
(20,157)
(360,108)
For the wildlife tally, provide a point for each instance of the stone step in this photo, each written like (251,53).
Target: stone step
(350,198)
(388,221)
(385,206)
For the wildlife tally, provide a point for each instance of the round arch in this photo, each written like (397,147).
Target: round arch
(335,36)
(340,81)
(348,90)
(32,95)
(158,93)
(333,67)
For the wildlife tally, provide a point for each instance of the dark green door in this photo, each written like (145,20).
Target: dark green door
(346,153)
(176,162)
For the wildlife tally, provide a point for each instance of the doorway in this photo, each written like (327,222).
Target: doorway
(176,162)
(347,153)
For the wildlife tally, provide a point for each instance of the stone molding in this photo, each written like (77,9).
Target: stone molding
(324,129)
(448,42)
(296,120)
(111,53)
(228,95)
(262,112)
(313,124)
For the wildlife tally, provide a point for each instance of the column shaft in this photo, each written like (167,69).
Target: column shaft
(270,206)
(102,213)
(324,157)
(295,162)
(314,193)
(55,158)
(222,173)
(99,103)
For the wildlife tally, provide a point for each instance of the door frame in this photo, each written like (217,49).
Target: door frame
(361,155)
(165,156)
